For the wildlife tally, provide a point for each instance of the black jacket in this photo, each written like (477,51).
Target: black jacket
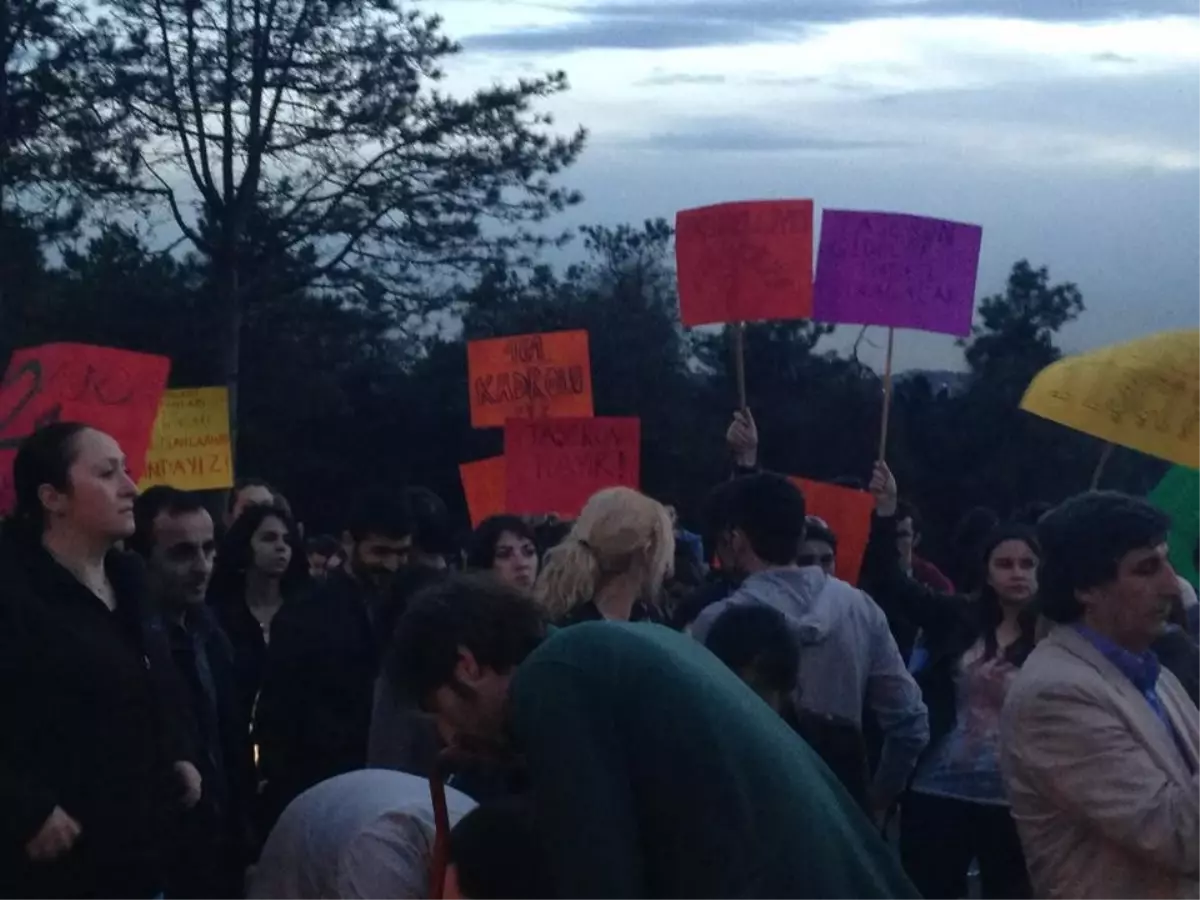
(217,723)
(950,623)
(88,705)
(1179,655)
(314,711)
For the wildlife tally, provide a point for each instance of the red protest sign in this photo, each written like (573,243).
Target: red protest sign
(484,487)
(529,376)
(745,261)
(555,465)
(116,391)
(847,512)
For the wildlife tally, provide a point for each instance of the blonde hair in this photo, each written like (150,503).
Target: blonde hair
(618,530)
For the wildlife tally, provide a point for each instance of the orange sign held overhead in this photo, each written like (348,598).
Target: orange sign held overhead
(847,512)
(484,486)
(529,376)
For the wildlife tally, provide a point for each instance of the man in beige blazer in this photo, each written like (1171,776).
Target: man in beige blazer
(1098,744)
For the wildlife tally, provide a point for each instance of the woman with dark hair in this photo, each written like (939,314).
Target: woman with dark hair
(956,808)
(260,565)
(93,764)
(506,547)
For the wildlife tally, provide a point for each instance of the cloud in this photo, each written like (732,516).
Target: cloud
(662,24)
(666,79)
(1110,57)
(739,135)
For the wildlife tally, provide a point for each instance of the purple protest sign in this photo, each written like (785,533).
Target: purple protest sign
(897,270)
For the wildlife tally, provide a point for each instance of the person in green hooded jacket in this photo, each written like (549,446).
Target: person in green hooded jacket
(654,771)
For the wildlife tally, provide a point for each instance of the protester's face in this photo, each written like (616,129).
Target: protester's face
(269,543)
(376,558)
(1133,608)
(731,549)
(100,494)
(181,562)
(318,565)
(817,553)
(473,709)
(515,561)
(772,696)
(906,541)
(252,495)
(1012,572)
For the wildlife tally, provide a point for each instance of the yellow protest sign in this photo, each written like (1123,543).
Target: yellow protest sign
(190,446)
(1144,394)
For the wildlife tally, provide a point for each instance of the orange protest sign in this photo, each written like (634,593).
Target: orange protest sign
(746,261)
(847,512)
(116,391)
(529,376)
(484,486)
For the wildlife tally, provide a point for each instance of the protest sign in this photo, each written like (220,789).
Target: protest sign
(1143,394)
(1178,495)
(190,448)
(529,376)
(847,512)
(483,484)
(555,465)
(896,270)
(115,391)
(745,261)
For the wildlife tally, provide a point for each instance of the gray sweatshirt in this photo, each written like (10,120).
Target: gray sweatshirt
(848,659)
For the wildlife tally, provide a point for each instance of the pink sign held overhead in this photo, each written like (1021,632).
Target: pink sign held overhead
(897,270)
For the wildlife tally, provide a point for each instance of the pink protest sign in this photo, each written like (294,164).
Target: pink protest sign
(897,270)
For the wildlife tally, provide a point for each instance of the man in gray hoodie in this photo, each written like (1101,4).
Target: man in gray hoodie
(848,657)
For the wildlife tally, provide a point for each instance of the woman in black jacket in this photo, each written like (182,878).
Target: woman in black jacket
(260,565)
(956,809)
(93,765)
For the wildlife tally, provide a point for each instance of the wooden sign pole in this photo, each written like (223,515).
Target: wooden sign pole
(739,361)
(887,396)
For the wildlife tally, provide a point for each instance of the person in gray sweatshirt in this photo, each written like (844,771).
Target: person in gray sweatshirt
(848,657)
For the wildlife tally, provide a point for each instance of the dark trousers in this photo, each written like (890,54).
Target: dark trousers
(939,838)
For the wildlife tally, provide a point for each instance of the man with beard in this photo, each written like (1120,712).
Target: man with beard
(314,709)
(175,538)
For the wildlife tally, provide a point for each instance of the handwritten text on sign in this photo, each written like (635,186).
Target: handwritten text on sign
(190,447)
(115,391)
(555,465)
(896,270)
(1143,394)
(531,376)
(745,261)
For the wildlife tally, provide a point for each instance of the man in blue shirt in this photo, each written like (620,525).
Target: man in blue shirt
(1099,744)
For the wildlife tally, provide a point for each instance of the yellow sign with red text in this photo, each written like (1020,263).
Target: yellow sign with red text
(189,449)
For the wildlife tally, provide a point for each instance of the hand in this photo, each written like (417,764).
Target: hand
(58,835)
(885,491)
(191,782)
(742,438)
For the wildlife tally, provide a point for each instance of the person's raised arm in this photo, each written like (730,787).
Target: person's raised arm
(897,592)
(742,438)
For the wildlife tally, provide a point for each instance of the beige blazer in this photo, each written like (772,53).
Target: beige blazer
(1102,796)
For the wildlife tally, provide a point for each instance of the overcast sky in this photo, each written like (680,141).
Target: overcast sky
(1068,129)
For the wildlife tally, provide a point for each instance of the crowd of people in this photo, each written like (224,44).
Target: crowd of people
(609,707)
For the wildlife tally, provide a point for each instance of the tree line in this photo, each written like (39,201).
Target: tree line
(338,222)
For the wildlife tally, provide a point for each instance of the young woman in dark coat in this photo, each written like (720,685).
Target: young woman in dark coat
(94,768)
(956,808)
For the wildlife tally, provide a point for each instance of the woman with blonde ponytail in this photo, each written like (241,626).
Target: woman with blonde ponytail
(613,563)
